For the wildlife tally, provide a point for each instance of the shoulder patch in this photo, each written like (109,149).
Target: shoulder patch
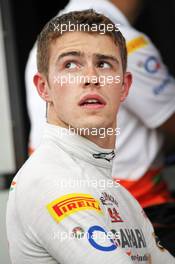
(136,44)
(72,203)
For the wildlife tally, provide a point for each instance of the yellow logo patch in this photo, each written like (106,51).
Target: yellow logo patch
(136,44)
(72,203)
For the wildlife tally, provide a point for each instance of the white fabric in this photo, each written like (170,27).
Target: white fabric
(150,103)
(64,165)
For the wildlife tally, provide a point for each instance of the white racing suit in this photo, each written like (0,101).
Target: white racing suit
(65,208)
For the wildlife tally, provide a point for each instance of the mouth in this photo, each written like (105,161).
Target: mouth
(92,101)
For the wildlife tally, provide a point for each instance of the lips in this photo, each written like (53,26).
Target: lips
(92,101)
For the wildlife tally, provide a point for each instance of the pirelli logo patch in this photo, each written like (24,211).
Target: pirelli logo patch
(136,44)
(72,203)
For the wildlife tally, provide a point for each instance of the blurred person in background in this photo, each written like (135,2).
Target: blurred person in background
(148,111)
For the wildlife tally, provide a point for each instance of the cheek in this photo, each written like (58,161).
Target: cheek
(58,97)
(115,96)
(63,96)
(115,91)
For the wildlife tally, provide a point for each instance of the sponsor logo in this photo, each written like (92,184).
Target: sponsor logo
(78,232)
(114,215)
(141,258)
(99,239)
(129,238)
(136,44)
(158,89)
(72,203)
(109,201)
(152,65)
(107,156)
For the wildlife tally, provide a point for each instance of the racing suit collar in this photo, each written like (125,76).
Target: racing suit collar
(79,146)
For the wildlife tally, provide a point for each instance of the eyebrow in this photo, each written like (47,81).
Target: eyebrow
(106,57)
(69,53)
(79,54)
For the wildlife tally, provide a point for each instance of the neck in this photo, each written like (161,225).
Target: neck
(103,139)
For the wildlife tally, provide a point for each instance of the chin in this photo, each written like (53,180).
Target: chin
(93,124)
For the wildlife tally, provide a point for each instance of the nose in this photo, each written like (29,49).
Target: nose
(91,77)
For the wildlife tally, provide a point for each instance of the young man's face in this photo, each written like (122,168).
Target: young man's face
(90,93)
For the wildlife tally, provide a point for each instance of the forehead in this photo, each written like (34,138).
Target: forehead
(86,43)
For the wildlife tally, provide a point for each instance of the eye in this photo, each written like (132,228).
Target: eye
(104,65)
(70,65)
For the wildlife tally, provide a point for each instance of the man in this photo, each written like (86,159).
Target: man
(58,211)
(147,112)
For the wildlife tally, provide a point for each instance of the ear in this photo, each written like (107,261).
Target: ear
(127,81)
(42,87)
